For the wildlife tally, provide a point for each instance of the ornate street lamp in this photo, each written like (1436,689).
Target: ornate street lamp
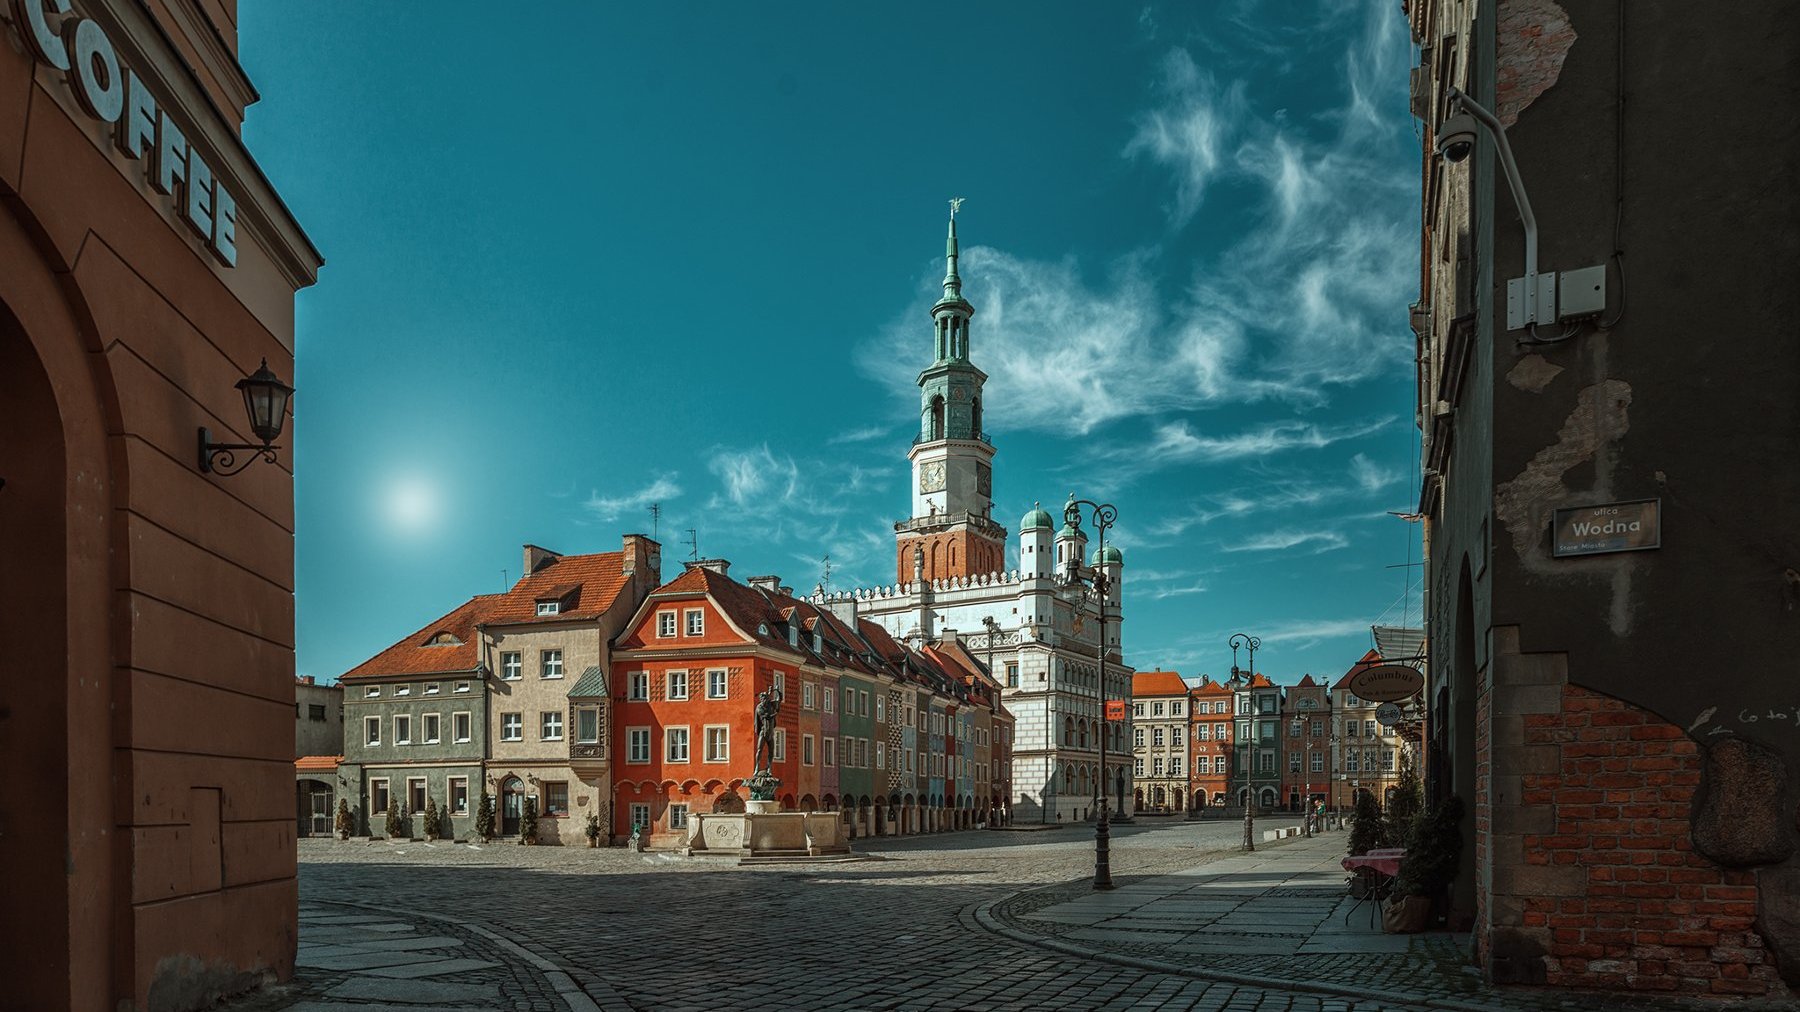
(1104,516)
(266,403)
(1253,642)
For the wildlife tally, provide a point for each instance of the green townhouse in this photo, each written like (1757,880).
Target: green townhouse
(856,747)
(415,728)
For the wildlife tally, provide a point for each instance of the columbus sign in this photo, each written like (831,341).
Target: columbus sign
(1386,683)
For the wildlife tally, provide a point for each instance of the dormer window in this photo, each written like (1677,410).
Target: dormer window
(443,639)
(549,607)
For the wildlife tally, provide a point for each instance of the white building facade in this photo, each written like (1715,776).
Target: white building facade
(1036,624)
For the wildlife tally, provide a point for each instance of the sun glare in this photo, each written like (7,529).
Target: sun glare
(412,505)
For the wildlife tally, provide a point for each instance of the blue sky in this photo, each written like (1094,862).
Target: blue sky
(591,257)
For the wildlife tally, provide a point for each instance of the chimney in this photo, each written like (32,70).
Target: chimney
(537,558)
(718,566)
(307,680)
(844,607)
(771,584)
(643,554)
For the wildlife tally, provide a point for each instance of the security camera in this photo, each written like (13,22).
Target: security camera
(1456,137)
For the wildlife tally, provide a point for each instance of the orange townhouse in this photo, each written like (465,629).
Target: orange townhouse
(1211,722)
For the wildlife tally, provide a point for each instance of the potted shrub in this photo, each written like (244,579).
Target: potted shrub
(1365,834)
(393,820)
(1433,849)
(434,825)
(528,828)
(1403,808)
(484,817)
(593,830)
(345,823)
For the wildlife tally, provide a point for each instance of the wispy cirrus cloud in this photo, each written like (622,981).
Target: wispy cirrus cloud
(1370,476)
(862,435)
(1285,540)
(1306,297)
(607,507)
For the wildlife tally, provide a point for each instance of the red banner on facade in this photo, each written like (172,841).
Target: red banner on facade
(1115,709)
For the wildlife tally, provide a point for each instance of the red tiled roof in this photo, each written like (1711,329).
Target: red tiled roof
(1306,683)
(414,656)
(1212,688)
(595,580)
(317,763)
(1368,660)
(1158,683)
(1260,681)
(587,584)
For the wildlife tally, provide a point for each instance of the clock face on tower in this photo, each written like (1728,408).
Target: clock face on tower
(984,479)
(931,476)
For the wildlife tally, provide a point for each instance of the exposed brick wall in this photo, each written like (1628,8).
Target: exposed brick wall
(1624,901)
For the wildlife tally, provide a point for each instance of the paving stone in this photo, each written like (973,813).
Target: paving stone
(436,968)
(414,992)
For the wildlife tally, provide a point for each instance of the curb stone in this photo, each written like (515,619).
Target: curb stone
(572,994)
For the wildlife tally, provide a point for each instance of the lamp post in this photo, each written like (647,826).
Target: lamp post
(1104,516)
(1253,642)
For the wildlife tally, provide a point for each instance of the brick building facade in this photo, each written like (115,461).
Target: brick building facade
(1633,824)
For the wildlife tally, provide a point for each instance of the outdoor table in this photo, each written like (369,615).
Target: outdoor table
(1383,865)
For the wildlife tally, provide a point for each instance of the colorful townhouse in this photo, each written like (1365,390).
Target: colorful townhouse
(688,751)
(1366,751)
(506,695)
(1210,781)
(1159,705)
(1255,777)
(1305,719)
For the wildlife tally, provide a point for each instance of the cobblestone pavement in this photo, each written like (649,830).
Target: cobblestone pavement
(658,932)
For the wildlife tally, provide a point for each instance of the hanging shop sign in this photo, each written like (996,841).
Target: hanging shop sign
(1115,709)
(142,131)
(1386,683)
(1388,714)
(1613,527)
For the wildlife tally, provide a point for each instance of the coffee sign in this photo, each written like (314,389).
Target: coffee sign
(1386,683)
(1613,527)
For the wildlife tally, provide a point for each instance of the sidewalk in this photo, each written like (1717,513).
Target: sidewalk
(355,957)
(1278,917)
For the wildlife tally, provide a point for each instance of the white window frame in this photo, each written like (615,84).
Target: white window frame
(675,684)
(550,721)
(462,726)
(402,690)
(669,742)
(716,683)
(807,700)
(678,815)
(694,622)
(639,815)
(450,795)
(582,712)
(723,754)
(637,746)
(881,708)
(379,786)
(550,663)
(462,686)
(881,755)
(637,686)
(371,731)
(549,607)
(829,698)
(424,792)
(806,750)
(371,692)
(512,665)
(1318,762)
(431,728)
(431,688)
(828,752)
(780,749)
(403,729)
(666,623)
(517,727)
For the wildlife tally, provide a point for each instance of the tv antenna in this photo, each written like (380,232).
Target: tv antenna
(827,572)
(656,521)
(693,543)
(505,580)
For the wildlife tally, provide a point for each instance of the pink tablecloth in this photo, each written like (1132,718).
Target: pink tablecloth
(1386,864)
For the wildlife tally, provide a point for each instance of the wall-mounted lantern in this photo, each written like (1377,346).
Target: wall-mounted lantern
(266,403)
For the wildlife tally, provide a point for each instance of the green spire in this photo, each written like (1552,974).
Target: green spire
(952,280)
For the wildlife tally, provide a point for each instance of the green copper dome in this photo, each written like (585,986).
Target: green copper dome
(1113,558)
(1036,520)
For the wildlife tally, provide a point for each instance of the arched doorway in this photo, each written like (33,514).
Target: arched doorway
(1243,797)
(1294,800)
(512,806)
(34,592)
(1200,798)
(312,808)
(1268,797)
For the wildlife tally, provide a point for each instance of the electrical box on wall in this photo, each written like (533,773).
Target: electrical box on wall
(1581,293)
